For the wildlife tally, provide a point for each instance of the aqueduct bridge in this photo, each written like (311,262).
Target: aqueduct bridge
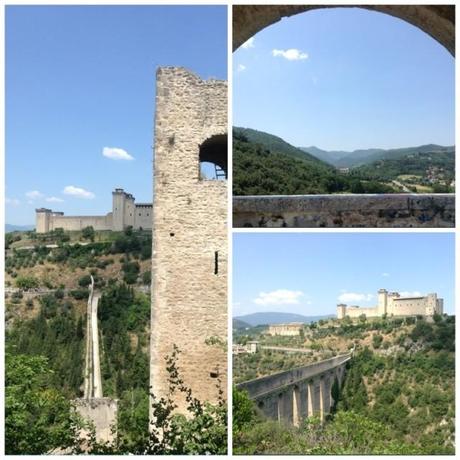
(293,395)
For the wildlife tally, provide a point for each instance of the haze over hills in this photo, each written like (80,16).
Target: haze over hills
(18,228)
(270,317)
(346,159)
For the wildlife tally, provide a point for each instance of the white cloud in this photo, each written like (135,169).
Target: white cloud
(291,54)
(54,199)
(240,68)
(115,153)
(385,274)
(78,192)
(410,294)
(279,297)
(248,44)
(12,201)
(347,297)
(34,195)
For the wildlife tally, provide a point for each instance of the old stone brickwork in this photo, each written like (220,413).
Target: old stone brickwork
(438,21)
(101,415)
(125,212)
(189,257)
(285,329)
(345,210)
(392,304)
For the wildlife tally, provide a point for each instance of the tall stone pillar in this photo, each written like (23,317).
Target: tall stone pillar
(296,406)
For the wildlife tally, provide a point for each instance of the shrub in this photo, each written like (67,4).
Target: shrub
(79,294)
(147,277)
(84,281)
(26,282)
(59,293)
(377,340)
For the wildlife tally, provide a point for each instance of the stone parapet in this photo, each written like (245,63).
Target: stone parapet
(345,210)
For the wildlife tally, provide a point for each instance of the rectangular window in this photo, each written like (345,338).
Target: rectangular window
(216,262)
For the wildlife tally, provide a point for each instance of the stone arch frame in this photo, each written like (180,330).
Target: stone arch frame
(307,211)
(438,21)
(209,150)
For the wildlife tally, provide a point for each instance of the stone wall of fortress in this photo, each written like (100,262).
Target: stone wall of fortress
(80,222)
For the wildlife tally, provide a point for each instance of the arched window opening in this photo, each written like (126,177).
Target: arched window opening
(213,158)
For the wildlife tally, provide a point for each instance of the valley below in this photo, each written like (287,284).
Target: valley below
(267,165)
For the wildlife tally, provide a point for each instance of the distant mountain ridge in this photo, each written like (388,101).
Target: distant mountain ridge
(18,228)
(257,319)
(347,159)
(264,164)
(276,144)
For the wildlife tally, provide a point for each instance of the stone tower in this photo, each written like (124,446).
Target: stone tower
(123,209)
(382,302)
(189,257)
(42,219)
(341,310)
(118,209)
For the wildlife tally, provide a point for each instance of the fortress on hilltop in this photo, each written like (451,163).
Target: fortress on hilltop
(392,304)
(125,213)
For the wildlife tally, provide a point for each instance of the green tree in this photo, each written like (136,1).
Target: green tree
(88,233)
(38,418)
(244,412)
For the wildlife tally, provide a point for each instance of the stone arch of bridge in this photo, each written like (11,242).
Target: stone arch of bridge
(438,21)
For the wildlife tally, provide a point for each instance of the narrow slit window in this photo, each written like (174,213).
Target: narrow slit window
(216,262)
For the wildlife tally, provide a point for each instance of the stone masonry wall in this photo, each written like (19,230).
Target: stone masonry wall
(143,217)
(101,413)
(189,292)
(79,222)
(308,211)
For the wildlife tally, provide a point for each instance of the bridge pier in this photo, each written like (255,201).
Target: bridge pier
(296,406)
(285,407)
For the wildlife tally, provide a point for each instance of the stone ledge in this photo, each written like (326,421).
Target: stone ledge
(345,210)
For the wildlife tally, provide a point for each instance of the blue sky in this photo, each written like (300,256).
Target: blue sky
(309,273)
(79,79)
(352,79)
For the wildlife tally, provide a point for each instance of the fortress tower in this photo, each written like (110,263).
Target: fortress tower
(341,310)
(123,210)
(189,257)
(382,302)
